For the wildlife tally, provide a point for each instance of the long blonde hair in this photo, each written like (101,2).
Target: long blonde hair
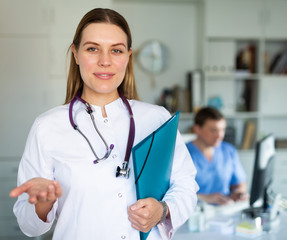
(74,81)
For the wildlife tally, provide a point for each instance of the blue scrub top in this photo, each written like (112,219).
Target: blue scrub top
(224,170)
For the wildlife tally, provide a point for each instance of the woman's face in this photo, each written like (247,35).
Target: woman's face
(102,57)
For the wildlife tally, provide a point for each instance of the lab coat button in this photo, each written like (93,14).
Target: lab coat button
(120,195)
(114,156)
(106,120)
(123,237)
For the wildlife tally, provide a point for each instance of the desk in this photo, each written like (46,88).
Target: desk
(278,232)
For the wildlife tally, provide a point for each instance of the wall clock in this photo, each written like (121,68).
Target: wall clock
(153,57)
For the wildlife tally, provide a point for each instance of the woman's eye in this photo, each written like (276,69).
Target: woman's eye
(92,49)
(117,51)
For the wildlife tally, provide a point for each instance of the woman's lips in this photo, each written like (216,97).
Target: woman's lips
(104,76)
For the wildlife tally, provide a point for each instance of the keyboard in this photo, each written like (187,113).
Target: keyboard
(225,210)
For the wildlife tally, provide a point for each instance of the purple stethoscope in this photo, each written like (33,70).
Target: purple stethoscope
(124,171)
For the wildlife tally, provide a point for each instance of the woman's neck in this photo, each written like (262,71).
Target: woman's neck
(100,100)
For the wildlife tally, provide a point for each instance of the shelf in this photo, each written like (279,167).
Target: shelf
(239,38)
(280,116)
(275,76)
(238,75)
(233,115)
(226,76)
(242,115)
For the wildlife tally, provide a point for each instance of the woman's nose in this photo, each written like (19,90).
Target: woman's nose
(104,59)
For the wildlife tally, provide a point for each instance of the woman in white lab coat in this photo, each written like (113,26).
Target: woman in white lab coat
(68,169)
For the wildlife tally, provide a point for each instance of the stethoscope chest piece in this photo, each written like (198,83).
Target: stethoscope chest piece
(124,171)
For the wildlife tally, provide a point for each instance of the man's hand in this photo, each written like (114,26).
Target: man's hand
(239,192)
(215,198)
(145,214)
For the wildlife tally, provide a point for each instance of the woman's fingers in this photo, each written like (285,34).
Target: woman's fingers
(39,190)
(51,196)
(19,190)
(42,196)
(58,189)
(33,199)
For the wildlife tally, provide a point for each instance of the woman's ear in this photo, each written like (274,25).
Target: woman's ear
(130,51)
(75,53)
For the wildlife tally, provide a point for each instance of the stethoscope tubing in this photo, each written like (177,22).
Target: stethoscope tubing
(120,171)
(131,131)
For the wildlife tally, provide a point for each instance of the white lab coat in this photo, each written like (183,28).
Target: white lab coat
(94,202)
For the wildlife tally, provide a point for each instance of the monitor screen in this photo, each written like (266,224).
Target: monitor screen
(263,171)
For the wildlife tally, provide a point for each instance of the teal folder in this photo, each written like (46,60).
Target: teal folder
(152,159)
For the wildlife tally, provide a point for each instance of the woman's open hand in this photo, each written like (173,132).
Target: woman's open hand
(39,190)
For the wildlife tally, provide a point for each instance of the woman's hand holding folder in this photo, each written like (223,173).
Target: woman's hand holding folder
(145,214)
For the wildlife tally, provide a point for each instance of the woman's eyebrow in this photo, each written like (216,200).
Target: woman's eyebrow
(119,44)
(89,42)
(113,45)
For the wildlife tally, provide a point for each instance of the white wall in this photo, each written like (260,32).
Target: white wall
(174,24)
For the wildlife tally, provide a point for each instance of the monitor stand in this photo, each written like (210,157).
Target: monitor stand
(253,212)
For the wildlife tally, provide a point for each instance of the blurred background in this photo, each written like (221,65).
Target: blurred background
(230,54)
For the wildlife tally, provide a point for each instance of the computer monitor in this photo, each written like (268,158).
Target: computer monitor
(262,172)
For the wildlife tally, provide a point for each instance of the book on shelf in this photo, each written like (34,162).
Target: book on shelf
(279,63)
(239,126)
(249,135)
(281,143)
(246,59)
(175,99)
(249,95)
(230,135)
(181,99)
(195,89)
(266,63)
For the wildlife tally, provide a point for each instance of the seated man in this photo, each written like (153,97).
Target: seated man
(220,175)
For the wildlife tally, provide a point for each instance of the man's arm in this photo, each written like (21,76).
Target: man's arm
(238,192)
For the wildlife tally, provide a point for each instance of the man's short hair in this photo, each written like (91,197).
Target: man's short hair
(206,113)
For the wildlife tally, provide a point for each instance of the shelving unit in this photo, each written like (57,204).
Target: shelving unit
(239,50)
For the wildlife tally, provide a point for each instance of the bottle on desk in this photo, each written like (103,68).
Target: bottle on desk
(196,222)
